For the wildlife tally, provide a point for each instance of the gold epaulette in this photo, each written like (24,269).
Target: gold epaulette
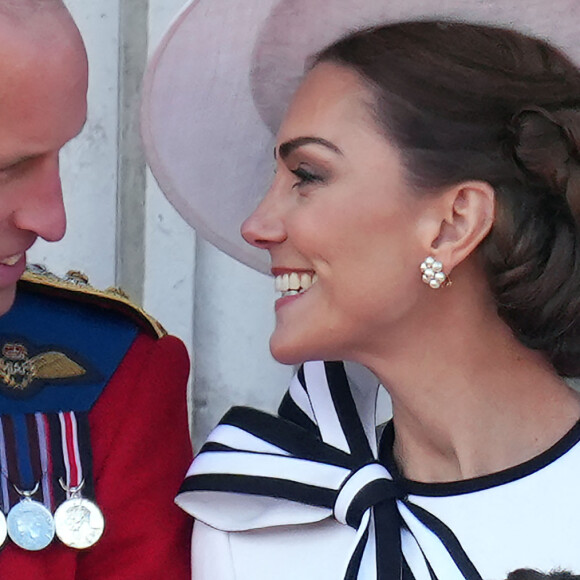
(75,286)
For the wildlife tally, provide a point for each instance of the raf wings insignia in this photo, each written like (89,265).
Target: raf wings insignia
(18,371)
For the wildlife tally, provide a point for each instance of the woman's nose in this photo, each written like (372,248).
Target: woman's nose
(265,226)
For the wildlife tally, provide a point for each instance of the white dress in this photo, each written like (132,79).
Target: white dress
(524,517)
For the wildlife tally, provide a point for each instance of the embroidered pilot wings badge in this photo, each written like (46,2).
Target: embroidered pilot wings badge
(18,370)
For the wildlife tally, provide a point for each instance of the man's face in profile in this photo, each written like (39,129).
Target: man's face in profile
(43,84)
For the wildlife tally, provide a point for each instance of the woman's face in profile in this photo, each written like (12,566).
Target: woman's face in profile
(345,232)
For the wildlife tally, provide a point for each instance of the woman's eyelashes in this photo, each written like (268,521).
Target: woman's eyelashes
(306,176)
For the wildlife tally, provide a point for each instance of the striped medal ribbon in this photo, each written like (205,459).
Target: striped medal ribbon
(44,457)
(317,459)
(79,521)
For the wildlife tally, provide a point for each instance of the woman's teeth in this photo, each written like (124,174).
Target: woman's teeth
(11,260)
(294,283)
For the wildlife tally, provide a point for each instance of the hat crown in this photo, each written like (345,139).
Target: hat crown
(218,85)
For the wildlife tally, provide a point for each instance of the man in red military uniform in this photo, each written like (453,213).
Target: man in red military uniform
(93,425)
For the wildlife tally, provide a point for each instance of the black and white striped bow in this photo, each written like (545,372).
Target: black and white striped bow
(316,460)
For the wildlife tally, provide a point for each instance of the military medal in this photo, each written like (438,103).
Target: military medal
(30,525)
(79,521)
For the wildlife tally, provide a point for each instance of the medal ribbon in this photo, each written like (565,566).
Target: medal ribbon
(23,459)
(43,448)
(4,470)
(70,450)
(26,480)
(75,458)
(314,461)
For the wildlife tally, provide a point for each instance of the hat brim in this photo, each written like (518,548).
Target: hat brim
(217,87)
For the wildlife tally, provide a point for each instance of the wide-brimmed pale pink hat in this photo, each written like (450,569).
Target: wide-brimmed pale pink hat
(218,85)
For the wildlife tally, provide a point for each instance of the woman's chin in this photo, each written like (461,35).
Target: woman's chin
(290,348)
(285,353)
(295,350)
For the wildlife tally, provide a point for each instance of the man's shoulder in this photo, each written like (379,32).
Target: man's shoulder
(63,340)
(73,294)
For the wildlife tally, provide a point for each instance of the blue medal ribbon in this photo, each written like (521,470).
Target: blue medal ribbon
(26,480)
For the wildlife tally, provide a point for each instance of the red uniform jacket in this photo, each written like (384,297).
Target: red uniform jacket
(141,450)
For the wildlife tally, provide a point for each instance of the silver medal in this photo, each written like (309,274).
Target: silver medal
(79,523)
(30,525)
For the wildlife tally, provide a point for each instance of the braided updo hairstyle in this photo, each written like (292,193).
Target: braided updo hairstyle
(470,102)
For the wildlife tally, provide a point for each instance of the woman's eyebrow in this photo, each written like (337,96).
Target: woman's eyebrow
(288,146)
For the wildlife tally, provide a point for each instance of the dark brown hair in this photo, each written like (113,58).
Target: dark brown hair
(528,574)
(466,102)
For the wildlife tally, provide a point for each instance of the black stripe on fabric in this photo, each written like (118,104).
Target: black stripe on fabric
(347,412)
(301,379)
(285,435)
(475,484)
(35,462)
(213,446)
(263,486)
(371,495)
(86,453)
(388,540)
(58,468)
(290,411)
(432,574)
(407,574)
(448,539)
(356,558)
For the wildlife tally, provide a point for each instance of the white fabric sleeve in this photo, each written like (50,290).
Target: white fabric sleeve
(211,556)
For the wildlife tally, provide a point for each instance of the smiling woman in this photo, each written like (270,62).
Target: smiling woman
(423,222)
(332,156)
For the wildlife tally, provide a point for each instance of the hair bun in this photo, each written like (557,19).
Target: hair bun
(547,148)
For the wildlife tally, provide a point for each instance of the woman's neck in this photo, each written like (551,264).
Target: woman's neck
(471,400)
(471,437)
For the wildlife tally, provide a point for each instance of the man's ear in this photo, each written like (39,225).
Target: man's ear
(465,220)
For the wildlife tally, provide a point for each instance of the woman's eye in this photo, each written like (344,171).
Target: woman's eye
(305,177)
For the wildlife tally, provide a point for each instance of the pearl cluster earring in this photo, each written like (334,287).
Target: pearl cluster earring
(432,273)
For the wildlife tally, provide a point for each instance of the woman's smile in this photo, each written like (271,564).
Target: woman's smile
(292,283)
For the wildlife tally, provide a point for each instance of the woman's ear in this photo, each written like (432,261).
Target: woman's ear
(466,219)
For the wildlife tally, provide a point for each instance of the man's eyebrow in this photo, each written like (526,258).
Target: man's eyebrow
(288,147)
